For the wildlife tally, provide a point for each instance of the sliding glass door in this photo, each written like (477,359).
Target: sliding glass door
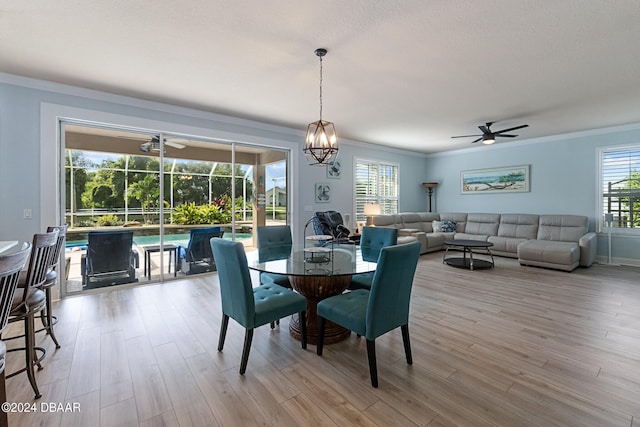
(142,206)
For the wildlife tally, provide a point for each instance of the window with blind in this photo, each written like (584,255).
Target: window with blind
(620,187)
(376,182)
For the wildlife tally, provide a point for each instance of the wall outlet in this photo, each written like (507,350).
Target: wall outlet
(27,214)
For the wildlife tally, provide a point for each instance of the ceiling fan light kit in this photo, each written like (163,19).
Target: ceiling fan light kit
(321,142)
(488,139)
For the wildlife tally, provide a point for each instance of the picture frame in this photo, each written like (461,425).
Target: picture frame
(510,179)
(322,192)
(334,170)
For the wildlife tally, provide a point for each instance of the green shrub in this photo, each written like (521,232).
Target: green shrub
(190,214)
(85,223)
(108,220)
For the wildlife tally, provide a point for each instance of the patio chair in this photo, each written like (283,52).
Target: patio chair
(197,257)
(110,259)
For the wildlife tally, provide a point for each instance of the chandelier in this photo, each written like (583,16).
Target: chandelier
(321,143)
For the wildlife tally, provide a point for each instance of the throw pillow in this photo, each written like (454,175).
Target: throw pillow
(448,226)
(436,225)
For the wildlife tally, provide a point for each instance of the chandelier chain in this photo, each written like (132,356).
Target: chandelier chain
(321,88)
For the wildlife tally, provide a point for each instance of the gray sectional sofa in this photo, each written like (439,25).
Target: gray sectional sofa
(560,242)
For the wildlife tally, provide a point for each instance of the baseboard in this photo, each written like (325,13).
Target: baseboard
(618,261)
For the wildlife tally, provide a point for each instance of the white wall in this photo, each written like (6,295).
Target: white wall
(28,149)
(563,179)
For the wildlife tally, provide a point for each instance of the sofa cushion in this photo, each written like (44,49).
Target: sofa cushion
(420,221)
(388,221)
(504,245)
(467,236)
(447,226)
(457,217)
(563,228)
(553,254)
(521,226)
(482,224)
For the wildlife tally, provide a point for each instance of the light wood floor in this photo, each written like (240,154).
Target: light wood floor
(512,346)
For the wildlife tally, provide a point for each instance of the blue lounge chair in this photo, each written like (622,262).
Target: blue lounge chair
(197,257)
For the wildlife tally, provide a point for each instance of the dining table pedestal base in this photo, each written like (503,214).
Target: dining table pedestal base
(315,289)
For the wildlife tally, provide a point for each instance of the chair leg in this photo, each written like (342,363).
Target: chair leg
(223,331)
(321,325)
(48,315)
(273,325)
(29,351)
(407,343)
(4,422)
(248,336)
(373,369)
(303,326)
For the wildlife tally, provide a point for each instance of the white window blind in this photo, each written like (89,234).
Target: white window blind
(376,182)
(620,186)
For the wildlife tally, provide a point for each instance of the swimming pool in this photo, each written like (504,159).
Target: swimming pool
(176,239)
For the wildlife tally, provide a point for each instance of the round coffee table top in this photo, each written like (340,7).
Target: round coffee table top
(469,243)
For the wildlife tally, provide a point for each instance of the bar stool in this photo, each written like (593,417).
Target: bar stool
(10,267)
(46,315)
(30,301)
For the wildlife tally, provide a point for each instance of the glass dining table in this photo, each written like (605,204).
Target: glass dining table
(316,272)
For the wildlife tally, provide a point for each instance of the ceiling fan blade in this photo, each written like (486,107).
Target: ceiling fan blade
(505,136)
(174,144)
(510,129)
(465,136)
(477,140)
(485,129)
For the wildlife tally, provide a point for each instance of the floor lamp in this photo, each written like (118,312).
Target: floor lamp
(430,186)
(608,218)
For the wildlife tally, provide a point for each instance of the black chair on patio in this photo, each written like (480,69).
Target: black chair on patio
(197,257)
(110,259)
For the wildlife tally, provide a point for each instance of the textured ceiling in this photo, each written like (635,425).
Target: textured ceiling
(405,73)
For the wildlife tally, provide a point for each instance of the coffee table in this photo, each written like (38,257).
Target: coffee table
(468,247)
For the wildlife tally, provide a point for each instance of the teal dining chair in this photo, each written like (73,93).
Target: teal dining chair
(250,307)
(274,242)
(372,240)
(372,313)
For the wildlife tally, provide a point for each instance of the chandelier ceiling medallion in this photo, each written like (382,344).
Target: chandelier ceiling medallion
(321,143)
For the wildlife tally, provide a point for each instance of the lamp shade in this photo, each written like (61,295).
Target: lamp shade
(372,209)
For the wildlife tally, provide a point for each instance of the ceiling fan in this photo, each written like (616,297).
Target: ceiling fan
(154,145)
(488,136)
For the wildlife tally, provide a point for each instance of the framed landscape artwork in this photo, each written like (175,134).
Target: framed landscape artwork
(511,179)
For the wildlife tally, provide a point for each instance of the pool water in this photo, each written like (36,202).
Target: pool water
(176,239)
